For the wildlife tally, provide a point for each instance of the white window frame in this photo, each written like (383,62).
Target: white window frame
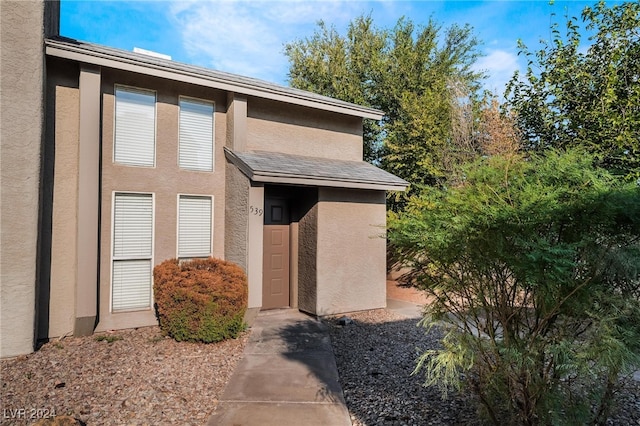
(115,258)
(183,256)
(133,163)
(181,163)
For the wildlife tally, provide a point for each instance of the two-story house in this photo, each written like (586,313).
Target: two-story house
(144,159)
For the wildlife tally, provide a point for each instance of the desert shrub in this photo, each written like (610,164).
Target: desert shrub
(534,266)
(200,300)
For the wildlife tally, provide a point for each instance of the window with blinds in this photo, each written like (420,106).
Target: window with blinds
(194,226)
(135,127)
(131,273)
(196,135)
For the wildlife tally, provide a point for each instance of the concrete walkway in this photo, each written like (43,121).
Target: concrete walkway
(288,376)
(406,309)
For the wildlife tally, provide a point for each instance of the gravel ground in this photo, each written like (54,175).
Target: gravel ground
(376,356)
(135,377)
(138,377)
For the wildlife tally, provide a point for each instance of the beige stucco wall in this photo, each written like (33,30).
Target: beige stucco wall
(166,181)
(23,26)
(307,260)
(236,122)
(64,249)
(351,251)
(291,129)
(236,216)
(256,245)
(238,186)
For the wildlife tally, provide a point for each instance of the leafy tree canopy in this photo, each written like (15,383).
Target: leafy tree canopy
(405,72)
(571,97)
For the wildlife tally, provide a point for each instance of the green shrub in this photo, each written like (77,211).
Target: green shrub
(533,266)
(200,300)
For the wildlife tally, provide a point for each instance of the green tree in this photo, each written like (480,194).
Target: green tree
(405,73)
(347,68)
(571,97)
(534,266)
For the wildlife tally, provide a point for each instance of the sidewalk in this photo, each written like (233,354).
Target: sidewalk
(288,375)
(406,309)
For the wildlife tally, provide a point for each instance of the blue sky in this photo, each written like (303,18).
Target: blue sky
(248,37)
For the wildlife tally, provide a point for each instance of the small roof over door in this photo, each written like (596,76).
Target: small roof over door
(276,167)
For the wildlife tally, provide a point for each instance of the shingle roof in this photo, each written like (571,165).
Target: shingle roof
(276,167)
(96,54)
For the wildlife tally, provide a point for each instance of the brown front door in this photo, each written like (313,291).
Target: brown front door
(275,281)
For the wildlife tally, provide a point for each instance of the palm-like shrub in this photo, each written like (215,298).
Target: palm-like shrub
(200,300)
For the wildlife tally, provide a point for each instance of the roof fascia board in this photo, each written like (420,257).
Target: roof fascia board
(323,182)
(79,54)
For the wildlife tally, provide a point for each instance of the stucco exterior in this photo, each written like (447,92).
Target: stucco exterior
(276,126)
(307,261)
(237,217)
(23,26)
(166,181)
(351,225)
(60,180)
(62,299)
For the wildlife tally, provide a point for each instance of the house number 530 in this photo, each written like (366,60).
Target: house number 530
(256,211)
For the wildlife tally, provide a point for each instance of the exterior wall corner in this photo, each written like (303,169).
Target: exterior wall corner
(23,26)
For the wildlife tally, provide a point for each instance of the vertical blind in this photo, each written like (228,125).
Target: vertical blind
(135,127)
(196,135)
(132,251)
(194,226)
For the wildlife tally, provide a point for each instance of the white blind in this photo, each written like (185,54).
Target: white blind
(194,226)
(132,251)
(131,284)
(196,135)
(133,226)
(135,127)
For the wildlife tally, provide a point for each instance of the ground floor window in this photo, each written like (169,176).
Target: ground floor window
(131,274)
(194,226)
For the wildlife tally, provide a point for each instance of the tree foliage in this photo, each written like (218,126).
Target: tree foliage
(571,97)
(478,129)
(404,72)
(534,266)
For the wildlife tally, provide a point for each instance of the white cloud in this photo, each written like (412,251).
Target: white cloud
(499,65)
(248,37)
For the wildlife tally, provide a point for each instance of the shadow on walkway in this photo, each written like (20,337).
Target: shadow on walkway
(288,375)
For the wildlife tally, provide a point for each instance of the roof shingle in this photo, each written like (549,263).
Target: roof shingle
(277,167)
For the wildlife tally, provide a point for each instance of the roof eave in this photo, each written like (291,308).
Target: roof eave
(293,179)
(331,183)
(173,71)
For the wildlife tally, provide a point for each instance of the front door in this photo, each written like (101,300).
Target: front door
(275,281)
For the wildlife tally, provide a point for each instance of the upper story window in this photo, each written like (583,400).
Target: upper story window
(196,135)
(135,127)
